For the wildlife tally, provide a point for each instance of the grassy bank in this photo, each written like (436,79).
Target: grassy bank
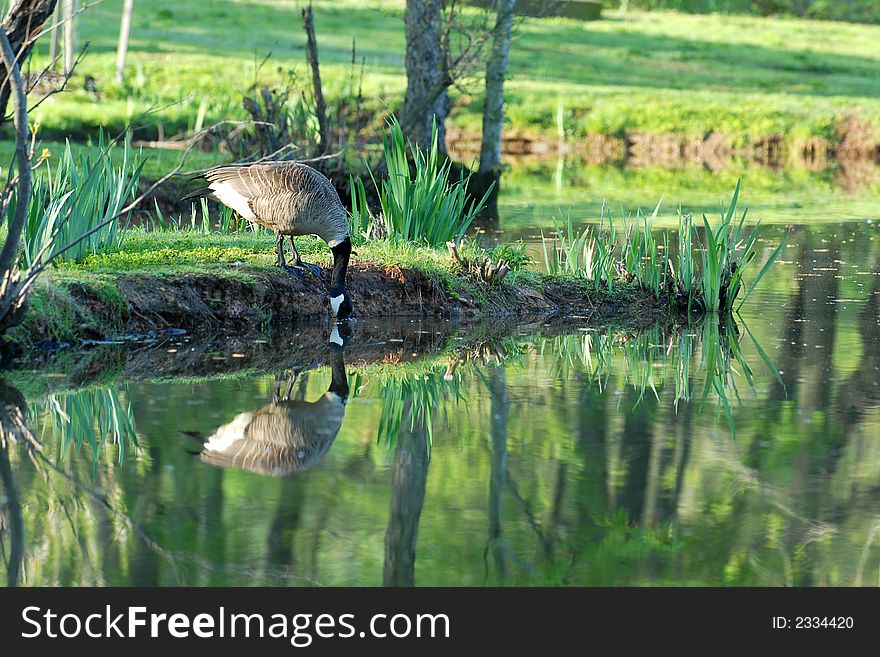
(653,73)
(211,282)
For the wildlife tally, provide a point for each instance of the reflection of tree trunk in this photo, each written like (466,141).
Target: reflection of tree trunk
(285,522)
(16,521)
(498,424)
(791,353)
(410,474)
(814,398)
(591,503)
(108,557)
(144,560)
(788,361)
(859,394)
(636,451)
(214,531)
(13,411)
(818,333)
(682,455)
(669,449)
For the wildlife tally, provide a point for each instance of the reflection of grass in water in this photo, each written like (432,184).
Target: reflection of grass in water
(425,395)
(91,417)
(413,394)
(649,363)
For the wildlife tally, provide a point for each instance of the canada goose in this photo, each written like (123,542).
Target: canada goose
(289,198)
(284,437)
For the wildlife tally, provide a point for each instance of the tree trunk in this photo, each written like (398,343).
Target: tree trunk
(54,39)
(426,78)
(23,23)
(124,33)
(493,108)
(69,17)
(312,53)
(12,299)
(488,176)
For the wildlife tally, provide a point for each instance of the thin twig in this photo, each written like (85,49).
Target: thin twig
(65,78)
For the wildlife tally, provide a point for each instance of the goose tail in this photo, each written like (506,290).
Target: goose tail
(202,191)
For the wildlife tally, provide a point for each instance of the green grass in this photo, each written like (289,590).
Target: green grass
(651,72)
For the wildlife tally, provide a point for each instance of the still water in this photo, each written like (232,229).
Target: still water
(431,453)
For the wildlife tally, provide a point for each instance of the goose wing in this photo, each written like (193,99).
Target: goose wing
(283,195)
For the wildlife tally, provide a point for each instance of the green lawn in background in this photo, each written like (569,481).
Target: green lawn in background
(651,72)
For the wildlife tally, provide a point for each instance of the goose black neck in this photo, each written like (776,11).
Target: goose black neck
(339,381)
(341,255)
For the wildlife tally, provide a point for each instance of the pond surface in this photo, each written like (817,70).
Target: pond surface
(566,454)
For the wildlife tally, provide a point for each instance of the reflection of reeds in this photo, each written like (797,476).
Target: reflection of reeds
(709,351)
(91,417)
(426,394)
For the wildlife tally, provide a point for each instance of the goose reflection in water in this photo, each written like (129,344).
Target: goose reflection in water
(286,436)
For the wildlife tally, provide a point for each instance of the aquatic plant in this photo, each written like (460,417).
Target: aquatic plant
(728,254)
(418,203)
(76,197)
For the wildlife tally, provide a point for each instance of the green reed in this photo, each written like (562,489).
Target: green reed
(705,274)
(419,203)
(76,196)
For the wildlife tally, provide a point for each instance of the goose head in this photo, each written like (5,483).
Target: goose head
(340,300)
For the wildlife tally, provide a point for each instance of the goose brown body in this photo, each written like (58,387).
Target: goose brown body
(286,436)
(287,197)
(279,439)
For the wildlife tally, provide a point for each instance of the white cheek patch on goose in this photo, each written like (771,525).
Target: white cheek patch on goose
(335,338)
(232,198)
(335,302)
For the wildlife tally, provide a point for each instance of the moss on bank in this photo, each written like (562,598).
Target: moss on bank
(210,282)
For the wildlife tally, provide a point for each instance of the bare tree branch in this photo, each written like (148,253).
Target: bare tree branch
(9,253)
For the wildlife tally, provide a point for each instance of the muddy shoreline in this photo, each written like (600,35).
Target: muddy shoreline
(856,142)
(190,357)
(251,301)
